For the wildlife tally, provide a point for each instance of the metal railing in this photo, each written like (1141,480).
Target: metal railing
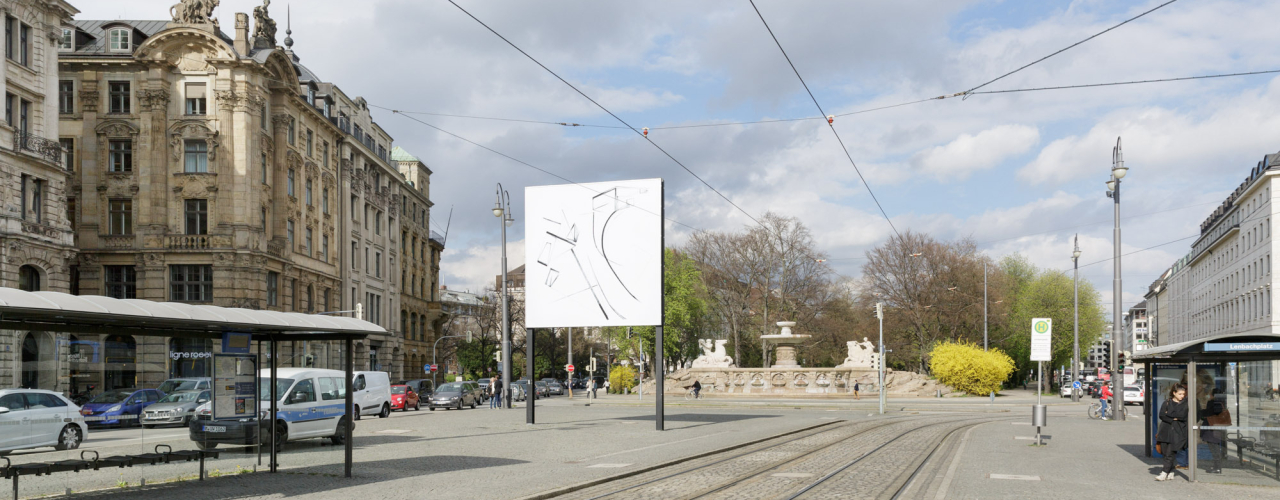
(187,242)
(45,148)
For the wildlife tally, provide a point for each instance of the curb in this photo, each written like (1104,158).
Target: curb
(608,479)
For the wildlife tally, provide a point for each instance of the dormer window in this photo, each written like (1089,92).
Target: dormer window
(326,109)
(311,96)
(119,39)
(67,41)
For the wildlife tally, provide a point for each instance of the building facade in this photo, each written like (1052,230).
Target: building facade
(36,244)
(1136,328)
(420,308)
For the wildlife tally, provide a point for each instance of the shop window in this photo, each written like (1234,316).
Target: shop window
(189,358)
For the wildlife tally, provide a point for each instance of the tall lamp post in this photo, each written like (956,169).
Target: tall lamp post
(1075,325)
(1118,171)
(502,210)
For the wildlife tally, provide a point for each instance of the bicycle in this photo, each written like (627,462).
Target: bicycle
(690,396)
(1095,411)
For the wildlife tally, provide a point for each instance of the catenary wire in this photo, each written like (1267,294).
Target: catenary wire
(1069,47)
(611,113)
(830,123)
(1134,82)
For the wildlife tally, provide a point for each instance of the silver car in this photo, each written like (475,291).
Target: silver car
(177,408)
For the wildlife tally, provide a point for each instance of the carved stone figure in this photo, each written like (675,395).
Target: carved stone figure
(264,27)
(713,354)
(862,355)
(194,12)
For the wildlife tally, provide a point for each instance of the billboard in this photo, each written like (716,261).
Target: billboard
(593,254)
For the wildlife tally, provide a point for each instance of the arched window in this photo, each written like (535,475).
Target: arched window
(29,279)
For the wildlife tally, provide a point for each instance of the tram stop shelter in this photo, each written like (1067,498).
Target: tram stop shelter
(1237,381)
(70,315)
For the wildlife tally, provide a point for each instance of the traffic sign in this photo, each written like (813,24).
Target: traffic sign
(1076,385)
(434,367)
(427,368)
(569,367)
(1041,339)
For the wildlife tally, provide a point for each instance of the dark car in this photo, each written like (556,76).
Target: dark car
(423,386)
(455,395)
(555,388)
(118,407)
(544,389)
(520,391)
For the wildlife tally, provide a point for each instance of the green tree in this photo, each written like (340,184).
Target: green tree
(1049,295)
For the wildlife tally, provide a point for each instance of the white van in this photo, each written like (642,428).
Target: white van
(372,394)
(310,406)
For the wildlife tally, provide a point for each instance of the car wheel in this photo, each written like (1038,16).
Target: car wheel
(417,407)
(282,436)
(357,412)
(148,426)
(386,411)
(459,405)
(340,433)
(431,408)
(70,438)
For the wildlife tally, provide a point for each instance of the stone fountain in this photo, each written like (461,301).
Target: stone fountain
(786,342)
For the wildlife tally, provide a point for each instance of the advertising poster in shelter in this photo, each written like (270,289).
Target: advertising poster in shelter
(235,389)
(593,254)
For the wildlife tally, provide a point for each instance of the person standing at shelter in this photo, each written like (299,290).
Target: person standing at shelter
(1172,436)
(1215,414)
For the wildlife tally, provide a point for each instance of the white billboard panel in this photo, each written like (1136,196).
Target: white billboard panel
(593,254)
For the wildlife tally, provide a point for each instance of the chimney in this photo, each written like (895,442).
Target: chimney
(242,33)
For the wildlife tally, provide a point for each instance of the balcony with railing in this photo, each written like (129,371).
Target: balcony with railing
(43,148)
(187,242)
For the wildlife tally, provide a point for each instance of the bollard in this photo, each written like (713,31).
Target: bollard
(939,394)
(1039,418)
(993,397)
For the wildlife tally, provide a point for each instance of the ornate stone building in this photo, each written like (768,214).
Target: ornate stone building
(213,169)
(420,309)
(36,247)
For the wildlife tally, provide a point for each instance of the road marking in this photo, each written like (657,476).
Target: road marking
(826,418)
(394,431)
(608,466)
(1013,477)
(792,474)
(626,422)
(1019,423)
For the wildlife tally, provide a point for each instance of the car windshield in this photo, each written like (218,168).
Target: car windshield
(450,387)
(111,397)
(398,389)
(282,386)
(175,385)
(181,397)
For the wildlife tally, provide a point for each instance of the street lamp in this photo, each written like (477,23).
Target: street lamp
(1075,325)
(1118,171)
(502,210)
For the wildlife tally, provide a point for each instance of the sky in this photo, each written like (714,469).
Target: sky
(1016,172)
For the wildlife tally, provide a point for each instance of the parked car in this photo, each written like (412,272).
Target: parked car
(372,394)
(523,384)
(518,392)
(422,386)
(1134,394)
(32,418)
(177,408)
(185,384)
(555,388)
(544,391)
(404,397)
(311,405)
(455,395)
(118,407)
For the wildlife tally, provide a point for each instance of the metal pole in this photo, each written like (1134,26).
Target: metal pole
(533,387)
(506,311)
(984,306)
(659,374)
(881,383)
(271,425)
(1039,392)
(1117,342)
(1075,325)
(349,366)
(570,381)
(257,385)
(1193,422)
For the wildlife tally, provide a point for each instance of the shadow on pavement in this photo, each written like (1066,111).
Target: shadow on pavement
(707,418)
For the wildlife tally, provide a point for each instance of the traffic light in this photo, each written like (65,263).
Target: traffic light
(879,310)
(1106,354)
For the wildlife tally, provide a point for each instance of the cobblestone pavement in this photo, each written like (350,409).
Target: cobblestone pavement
(781,468)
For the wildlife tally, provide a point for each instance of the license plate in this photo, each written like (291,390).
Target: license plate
(215,428)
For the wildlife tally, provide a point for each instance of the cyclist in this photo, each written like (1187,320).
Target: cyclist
(697,387)
(1106,395)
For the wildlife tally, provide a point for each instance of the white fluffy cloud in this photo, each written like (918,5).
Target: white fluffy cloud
(959,159)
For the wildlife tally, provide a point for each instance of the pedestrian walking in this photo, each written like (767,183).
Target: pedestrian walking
(856,388)
(591,386)
(606,386)
(1172,436)
(497,393)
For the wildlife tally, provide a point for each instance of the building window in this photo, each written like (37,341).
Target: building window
(324,153)
(120,215)
(121,281)
(196,100)
(354,201)
(367,260)
(120,156)
(68,39)
(197,216)
(273,288)
(308,243)
(293,130)
(188,283)
(119,40)
(28,279)
(311,96)
(197,156)
(24,44)
(326,109)
(66,97)
(293,294)
(324,200)
(68,152)
(324,248)
(8,107)
(289,184)
(289,235)
(377,224)
(264,168)
(354,251)
(377,264)
(262,116)
(308,192)
(24,116)
(324,300)
(118,92)
(264,219)
(311,150)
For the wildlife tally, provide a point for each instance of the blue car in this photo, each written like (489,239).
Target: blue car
(119,407)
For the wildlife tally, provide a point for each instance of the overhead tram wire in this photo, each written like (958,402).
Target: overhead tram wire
(830,123)
(1069,47)
(1134,82)
(611,113)
(509,157)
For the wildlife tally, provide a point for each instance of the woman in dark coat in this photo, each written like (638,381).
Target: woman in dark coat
(1172,436)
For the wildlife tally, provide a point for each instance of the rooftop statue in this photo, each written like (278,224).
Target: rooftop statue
(194,12)
(264,26)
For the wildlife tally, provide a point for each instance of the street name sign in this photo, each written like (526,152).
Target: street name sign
(1041,339)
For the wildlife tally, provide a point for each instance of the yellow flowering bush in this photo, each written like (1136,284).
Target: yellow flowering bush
(967,368)
(621,377)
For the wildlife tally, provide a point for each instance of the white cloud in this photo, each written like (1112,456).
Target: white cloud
(967,154)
